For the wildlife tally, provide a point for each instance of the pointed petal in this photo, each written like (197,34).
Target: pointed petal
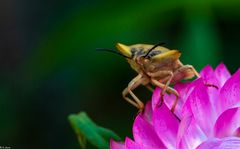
(214,96)
(201,108)
(186,108)
(222,74)
(214,80)
(166,126)
(183,89)
(130,144)
(225,143)
(169,99)
(230,92)
(145,135)
(208,76)
(116,145)
(227,123)
(190,134)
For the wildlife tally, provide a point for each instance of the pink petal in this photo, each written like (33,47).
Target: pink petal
(208,76)
(237,132)
(216,78)
(116,145)
(156,97)
(190,134)
(202,109)
(169,99)
(225,143)
(222,74)
(214,96)
(145,135)
(186,108)
(148,112)
(230,92)
(227,123)
(166,126)
(130,144)
(183,89)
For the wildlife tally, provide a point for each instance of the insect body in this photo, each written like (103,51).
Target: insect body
(155,65)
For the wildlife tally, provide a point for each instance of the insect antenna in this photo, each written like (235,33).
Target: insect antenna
(112,51)
(150,50)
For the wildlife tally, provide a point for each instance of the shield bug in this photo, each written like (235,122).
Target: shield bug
(155,65)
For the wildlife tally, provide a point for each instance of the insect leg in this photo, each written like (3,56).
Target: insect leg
(190,67)
(124,93)
(165,75)
(196,73)
(149,87)
(169,90)
(131,86)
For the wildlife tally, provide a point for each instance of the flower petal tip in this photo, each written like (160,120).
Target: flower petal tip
(116,145)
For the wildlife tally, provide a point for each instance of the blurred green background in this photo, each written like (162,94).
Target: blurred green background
(50,68)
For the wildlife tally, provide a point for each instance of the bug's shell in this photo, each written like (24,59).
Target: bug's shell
(158,58)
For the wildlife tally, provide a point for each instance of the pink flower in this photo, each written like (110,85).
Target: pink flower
(206,116)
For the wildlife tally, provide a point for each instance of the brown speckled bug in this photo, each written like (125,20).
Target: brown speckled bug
(155,65)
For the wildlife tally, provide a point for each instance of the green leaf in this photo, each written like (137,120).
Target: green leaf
(87,130)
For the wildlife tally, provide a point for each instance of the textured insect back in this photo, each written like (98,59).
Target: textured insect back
(171,55)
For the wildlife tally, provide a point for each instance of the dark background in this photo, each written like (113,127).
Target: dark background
(49,67)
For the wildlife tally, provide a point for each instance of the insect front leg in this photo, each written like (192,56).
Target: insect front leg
(168,76)
(169,90)
(165,75)
(185,67)
(149,87)
(138,80)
